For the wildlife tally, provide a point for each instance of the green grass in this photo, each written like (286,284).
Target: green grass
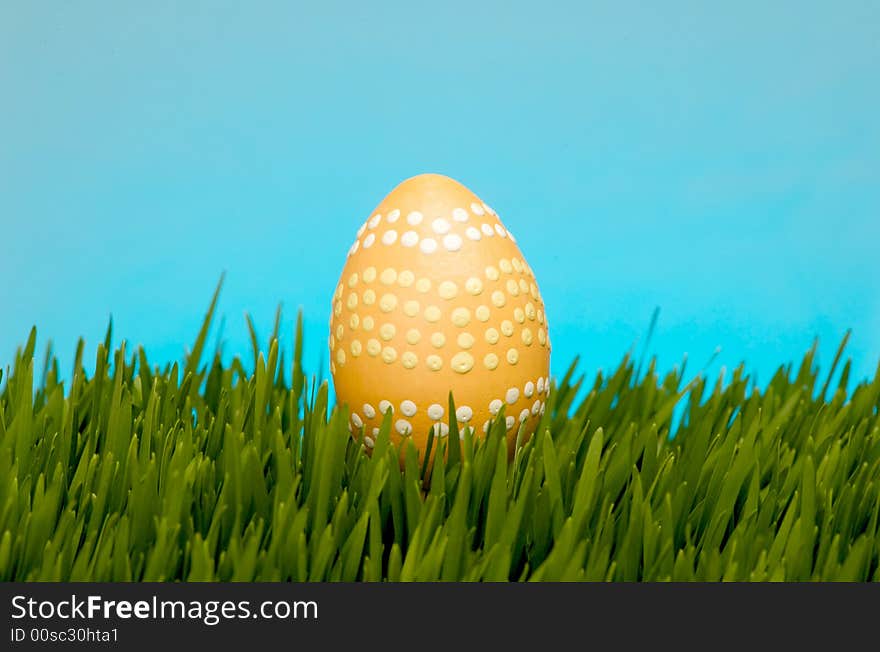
(201,471)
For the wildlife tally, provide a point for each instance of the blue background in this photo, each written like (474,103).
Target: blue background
(720,163)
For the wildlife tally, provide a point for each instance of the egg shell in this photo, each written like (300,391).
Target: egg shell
(436,296)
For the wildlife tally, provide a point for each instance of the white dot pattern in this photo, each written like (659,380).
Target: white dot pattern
(440,226)
(408,319)
(435,411)
(408,408)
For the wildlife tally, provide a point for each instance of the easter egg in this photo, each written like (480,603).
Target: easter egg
(436,296)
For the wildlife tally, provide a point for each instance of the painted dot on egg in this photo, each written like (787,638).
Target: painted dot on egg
(352,301)
(460,215)
(441,430)
(388,276)
(511,422)
(433,314)
(507,328)
(477,209)
(438,339)
(440,226)
(409,360)
(411,308)
(491,361)
(465,340)
(523,286)
(526,336)
(389,237)
(408,408)
(473,233)
(512,395)
(530,311)
(369,322)
(403,427)
(388,302)
(389,354)
(340,356)
(384,406)
(413,336)
(368,410)
(495,406)
(487,230)
(498,299)
(542,337)
(462,362)
(523,415)
(340,331)
(492,336)
(352,280)
(414,218)
(505,266)
(447,290)
(428,245)
(406,278)
(409,239)
(369,240)
(373,347)
(369,297)
(369,274)
(434,362)
(354,322)
(387,331)
(512,356)
(492,273)
(374,221)
(464,413)
(512,288)
(461,317)
(452,242)
(423,285)
(356,348)
(541,385)
(500,231)
(536,407)
(519,315)
(473,286)
(482,313)
(436,411)
(517,265)
(356,420)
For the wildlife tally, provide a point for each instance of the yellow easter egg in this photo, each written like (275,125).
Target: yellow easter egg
(436,296)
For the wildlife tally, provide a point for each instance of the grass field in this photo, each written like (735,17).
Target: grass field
(201,471)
